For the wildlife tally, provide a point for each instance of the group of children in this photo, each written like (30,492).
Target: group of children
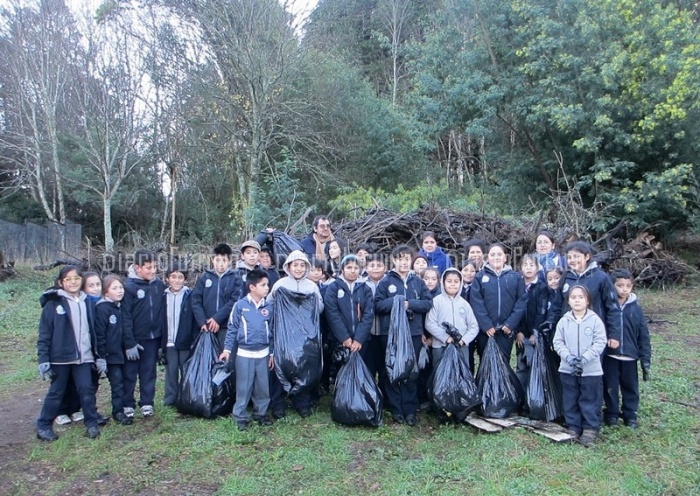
(591,320)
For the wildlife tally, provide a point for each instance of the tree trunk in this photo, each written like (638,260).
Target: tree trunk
(107,222)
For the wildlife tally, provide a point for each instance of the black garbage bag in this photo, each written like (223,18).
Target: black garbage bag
(400,356)
(199,396)
(454,389)
(298,361)
(544,391)
(357,399)
(282,245)
(499,388)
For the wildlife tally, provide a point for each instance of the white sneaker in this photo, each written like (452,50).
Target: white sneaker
(63,420)
(77,417)
(129,412)
(147,410)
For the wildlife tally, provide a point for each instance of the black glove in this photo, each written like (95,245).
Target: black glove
(162,359)
(546,327)
(578,369)
(574,362)
(231,364)
(646,372)
(453,332)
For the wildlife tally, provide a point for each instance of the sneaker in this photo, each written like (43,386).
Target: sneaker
(574,435)
(588,437)
(147,410)
(279,414)
(242,425)
(632,424)
(398,419)
(129,412)
(77,417)
(63,420)
(47,435)
(123,419)
(93,432)
(102,420)
(264,421)
(612,421)
(411,420)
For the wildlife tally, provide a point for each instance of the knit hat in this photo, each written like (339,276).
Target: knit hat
(347,259)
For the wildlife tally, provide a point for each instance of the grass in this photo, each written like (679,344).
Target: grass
(172,454)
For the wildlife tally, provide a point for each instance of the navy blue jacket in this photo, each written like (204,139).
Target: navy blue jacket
(498,300)
(349,315)
(109,331)
(243,271)
(536,309)
(142,309)
(214,296)
(417,295)
(634,342)
(603,298)
(438,259)
(250,328)
(308,245)
(186,329)
(56,342)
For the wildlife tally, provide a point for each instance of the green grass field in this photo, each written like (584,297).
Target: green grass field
(172,454)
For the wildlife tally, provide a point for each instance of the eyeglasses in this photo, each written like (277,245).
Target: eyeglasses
(73,279)
(324,226)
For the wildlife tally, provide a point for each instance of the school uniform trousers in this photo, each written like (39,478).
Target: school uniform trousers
(145,370)
(82,376)
(620,376)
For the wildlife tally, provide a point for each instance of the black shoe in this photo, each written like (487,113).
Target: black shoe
(279,414)
(411,420)
(242,425)
(612,421)
(632,424)
(398,419)
(123,419)
(305,412)
(93,432)
(588,437)
(47,435)
(102,420)
(264,421)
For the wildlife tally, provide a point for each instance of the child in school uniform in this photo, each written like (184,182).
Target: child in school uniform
(110,342)
(469,270)
(178,330)
(431,278)
(620,375)
(66,348)
(249,338)
(216,292)
(374,358)
(579,340)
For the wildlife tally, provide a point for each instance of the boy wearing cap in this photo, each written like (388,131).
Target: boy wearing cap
(250,254)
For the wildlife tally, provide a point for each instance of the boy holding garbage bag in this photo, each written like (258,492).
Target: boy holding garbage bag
(249,336)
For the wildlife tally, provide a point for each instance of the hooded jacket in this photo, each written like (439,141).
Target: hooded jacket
(583,338)
(214,296)
(186,329)
(109,332)
(498,299)
(603,297)
(634,340)
(453,310)
(349,312)
(417,296)
(59,342)
(250,326)
(437,259)
(303,285)
(142,308)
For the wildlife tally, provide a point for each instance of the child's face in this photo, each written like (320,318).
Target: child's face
(577,261)
(476,253)
(553,278)
(93,286)
(451,284)
(431,279)
(146,271)
(402,264)
(528,269)
(429,244)
(71,283)
(334,250)
(362,255)
(577,300)
(497,258)
(623,288)
(351,271)
(468,273)
(176,281)
(543,244)
(259,291)
(250,256)
(115,291)
(375,270)
(297,269)
(419,266)
(265,259)
(315,274)
(221,263)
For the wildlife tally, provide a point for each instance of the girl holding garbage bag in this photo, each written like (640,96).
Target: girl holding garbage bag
(349,307)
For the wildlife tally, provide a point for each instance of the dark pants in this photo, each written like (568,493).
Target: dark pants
(620,377)
(582,400)
(523,361)
(504,342)
(71,400)
(115,374)
(472,352)
(173,373)
(402,398)
(278,397)
(82,376)
(145,371)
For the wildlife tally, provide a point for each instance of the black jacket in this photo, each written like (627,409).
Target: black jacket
(349,315)
(214,296)
(417,295)
(634,342)
(536,309)
(142,309)
(498,300)
(109,331)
